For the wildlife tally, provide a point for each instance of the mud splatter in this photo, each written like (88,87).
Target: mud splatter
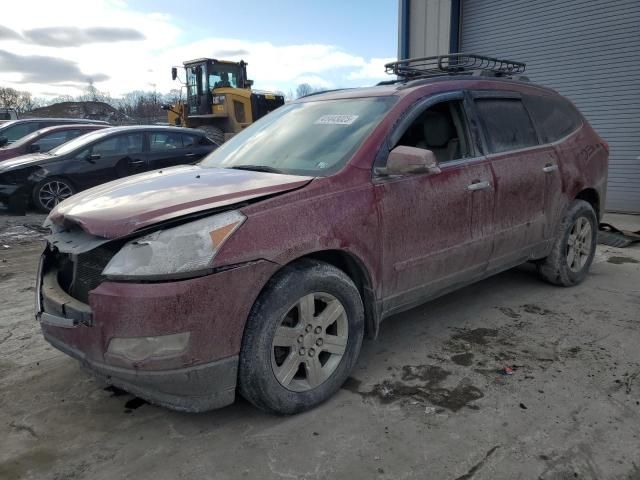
(476,336)
(621,260)
(464,359)
(509,312)
(536,310)
(420,383)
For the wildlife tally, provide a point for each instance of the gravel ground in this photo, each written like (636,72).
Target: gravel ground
(425,401)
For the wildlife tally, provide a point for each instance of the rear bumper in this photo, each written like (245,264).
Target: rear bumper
(191,389)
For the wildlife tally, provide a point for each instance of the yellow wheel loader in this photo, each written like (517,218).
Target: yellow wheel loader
(220,100)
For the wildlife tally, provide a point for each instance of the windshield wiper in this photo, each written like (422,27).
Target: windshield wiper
(257,168)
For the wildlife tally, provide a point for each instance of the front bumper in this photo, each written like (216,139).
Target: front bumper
(191,389)
(213,308)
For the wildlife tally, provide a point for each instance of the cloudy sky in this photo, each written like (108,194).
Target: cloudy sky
(52,48)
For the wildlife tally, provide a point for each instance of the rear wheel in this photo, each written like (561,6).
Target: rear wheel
(214,133)
(50,192)
(302,338)
(574,247)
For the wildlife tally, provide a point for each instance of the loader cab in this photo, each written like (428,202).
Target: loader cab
(205,75)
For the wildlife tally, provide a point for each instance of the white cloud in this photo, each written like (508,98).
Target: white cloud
(140,64)
(372,70)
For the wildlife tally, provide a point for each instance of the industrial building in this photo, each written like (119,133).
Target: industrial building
(588,50)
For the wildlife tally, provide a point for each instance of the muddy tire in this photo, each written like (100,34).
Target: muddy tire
(574,247)
(302,338)
(213,133)
(51,191)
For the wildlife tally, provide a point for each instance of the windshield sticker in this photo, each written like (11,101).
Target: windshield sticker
(336,120)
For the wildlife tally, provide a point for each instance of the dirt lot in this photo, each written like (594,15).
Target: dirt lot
(425,401)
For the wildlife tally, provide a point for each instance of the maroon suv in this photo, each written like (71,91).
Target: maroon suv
(261,269)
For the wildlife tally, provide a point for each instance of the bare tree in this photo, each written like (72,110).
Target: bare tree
(304,89)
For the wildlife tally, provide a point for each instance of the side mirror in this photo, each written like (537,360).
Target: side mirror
(3,141)
(92,157)
(404,160)
(174,73)
(34,147)
(249,83)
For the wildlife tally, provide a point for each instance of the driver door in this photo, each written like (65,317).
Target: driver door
(436,227)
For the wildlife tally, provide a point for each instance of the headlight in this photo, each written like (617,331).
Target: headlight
(185,249)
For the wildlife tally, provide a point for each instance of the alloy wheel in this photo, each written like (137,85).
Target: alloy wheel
(53,192)
(579,244)
(309,342)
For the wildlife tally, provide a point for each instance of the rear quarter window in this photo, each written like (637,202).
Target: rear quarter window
(555,117)
(506,123)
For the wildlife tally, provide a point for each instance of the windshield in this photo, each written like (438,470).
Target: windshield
(310,138)
(79,142)
(27,139)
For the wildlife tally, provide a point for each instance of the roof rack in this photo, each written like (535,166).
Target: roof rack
(454,64)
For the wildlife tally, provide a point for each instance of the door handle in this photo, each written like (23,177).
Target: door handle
(549,167)
(478,186)
(190,154)
(136,162)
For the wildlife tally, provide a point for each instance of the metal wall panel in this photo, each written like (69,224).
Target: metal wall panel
(588,50)
(429,27)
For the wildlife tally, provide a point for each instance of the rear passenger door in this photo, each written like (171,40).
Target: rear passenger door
(518,162)
(167,149)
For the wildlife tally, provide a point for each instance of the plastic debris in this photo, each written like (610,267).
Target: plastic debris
(430,410)
(506,371)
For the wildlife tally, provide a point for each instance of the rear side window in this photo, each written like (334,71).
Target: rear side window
(506,123)
(163,141)
(555,117)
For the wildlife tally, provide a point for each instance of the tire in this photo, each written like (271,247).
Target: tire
(50,192)
(213,133)
(574,247)
(301,367)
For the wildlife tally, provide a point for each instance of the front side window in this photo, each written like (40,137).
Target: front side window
(308,138)
(507,125)
(118,145)
(15,132)
(442,129)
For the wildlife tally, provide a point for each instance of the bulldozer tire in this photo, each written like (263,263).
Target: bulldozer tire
(213,133)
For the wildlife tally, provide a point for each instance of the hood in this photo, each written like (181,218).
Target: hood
(121,207)
(24,160)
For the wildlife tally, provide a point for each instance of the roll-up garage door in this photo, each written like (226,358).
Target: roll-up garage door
(588,50)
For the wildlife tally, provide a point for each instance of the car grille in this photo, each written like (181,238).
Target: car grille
(88,272)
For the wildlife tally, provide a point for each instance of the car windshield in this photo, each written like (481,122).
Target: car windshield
(314,138)
(79,142)
(27,139)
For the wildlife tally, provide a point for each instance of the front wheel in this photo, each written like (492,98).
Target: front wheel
(50,192)
(302,338)
(574,247)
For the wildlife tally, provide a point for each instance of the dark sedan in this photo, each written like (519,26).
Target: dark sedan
(46,139)
(95,158)
(14,130)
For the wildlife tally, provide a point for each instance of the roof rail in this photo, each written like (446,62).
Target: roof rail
(454,64)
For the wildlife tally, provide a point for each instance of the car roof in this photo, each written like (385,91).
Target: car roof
(73,126)
(159,128)
(62,120)
(403,88)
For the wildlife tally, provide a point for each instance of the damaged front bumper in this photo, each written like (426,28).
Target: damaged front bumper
(210,310)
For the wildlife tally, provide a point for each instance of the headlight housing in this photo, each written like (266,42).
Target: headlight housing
(175,252)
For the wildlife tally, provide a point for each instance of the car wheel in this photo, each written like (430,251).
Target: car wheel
(302,338)
(574,247)
(50,192)
(213,133)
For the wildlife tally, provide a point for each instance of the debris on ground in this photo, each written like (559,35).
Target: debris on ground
(614,237)
(506,371)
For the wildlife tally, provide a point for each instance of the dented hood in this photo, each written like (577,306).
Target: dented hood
(121,207)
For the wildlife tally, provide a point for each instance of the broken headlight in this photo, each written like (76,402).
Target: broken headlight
(178,251)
